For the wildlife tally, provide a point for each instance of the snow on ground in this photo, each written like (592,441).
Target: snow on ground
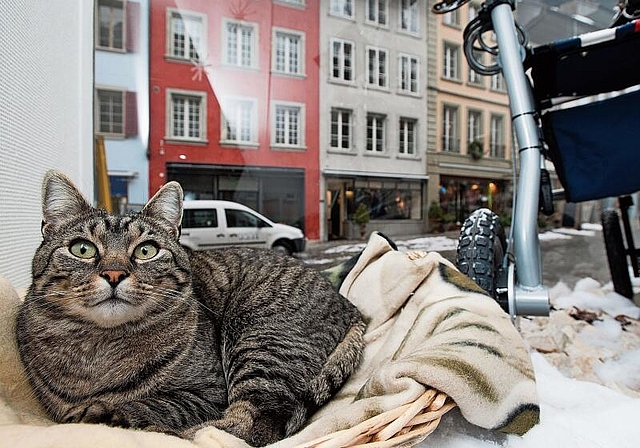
(586,356)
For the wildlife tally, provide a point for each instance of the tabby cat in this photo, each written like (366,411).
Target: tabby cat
(124,326)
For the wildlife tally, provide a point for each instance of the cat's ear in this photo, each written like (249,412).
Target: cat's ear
(166,204)
(61,199)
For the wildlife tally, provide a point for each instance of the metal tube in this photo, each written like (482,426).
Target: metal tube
(527,246)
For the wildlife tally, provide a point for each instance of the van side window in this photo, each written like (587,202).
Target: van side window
(199,218)
(240,218)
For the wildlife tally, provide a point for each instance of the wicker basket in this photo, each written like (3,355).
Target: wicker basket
(404,426)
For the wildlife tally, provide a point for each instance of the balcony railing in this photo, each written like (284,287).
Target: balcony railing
(450,144)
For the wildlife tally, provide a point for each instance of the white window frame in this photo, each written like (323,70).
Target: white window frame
(497,82)
(287,107)
(233,106)
(375,5)
(285,33)
(452,18)
(110,47)
(472,11)
(450,128)
(338,8)
(405,146)
(98,114)
(497,136)
(377,122)
(413,16)
(376,73)
(405,62)
(342,59)
(475,118)
(342,112)
(451,61)
(253,50)
(202,115)
(474,78)
(295,3)
(195,27)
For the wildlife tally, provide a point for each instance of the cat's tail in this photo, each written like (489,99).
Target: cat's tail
(340,364)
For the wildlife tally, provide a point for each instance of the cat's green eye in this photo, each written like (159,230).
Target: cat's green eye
(145,251)
(83,249)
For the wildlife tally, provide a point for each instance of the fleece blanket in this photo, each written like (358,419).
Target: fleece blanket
(429,326)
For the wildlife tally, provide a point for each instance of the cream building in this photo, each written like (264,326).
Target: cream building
(373,115)
(469,148)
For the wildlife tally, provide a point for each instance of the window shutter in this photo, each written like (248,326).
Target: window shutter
(133,25)
(131,114)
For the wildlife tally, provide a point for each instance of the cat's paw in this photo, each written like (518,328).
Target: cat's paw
(96,412)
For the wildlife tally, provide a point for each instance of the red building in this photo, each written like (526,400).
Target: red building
(234,104)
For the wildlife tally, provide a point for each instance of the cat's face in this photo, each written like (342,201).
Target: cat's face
(109,269)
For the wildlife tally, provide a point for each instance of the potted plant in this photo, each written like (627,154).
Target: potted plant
(436,215)
(475,149)
(361,217)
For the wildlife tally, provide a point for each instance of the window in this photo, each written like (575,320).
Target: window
(473,11)
(452,18)
(239,121)
(409,16)
(187,115)
(341,60)
(110,112)
(288,125)
(375,133)
(288,52)
(241,218)
(199,218)
(342,8)
(186,37)
(377,67)
(497,80)
(407,136)
(377,12)
(474,77)
(474,126)
(293,2)
(408,73)
(116,112)
(496,137)
(110,24)
(450,139)
(341,128)
(451,61)
(389,198)
(240,44)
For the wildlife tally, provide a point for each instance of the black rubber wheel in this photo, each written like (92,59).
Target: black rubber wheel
(481,248)
(616,253)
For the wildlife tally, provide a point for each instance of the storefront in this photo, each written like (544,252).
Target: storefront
(395,206)
(277,193)
(460,196)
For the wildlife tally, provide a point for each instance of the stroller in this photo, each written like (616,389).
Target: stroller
(576,109)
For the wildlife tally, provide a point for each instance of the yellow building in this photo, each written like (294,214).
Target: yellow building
(469,153)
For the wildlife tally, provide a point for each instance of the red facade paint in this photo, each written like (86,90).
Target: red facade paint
(218,80)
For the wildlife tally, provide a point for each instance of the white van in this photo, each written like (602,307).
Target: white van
(212,224)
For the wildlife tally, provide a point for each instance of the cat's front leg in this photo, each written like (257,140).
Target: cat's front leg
(97,412)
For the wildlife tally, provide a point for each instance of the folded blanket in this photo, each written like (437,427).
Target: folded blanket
(428,327)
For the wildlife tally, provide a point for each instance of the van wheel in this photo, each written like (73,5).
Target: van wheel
(282,248)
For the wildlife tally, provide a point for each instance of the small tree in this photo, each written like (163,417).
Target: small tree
(362,217)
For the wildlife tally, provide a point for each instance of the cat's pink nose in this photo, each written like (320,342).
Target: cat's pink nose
(114,277)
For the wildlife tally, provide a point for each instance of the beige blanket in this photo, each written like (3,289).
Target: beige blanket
(428,326)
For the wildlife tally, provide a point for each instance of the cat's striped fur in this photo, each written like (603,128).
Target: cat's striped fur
(123,326)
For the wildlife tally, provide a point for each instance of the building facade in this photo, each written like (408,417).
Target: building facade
(234,99)
(373,115)
(121,97)
(469,158)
